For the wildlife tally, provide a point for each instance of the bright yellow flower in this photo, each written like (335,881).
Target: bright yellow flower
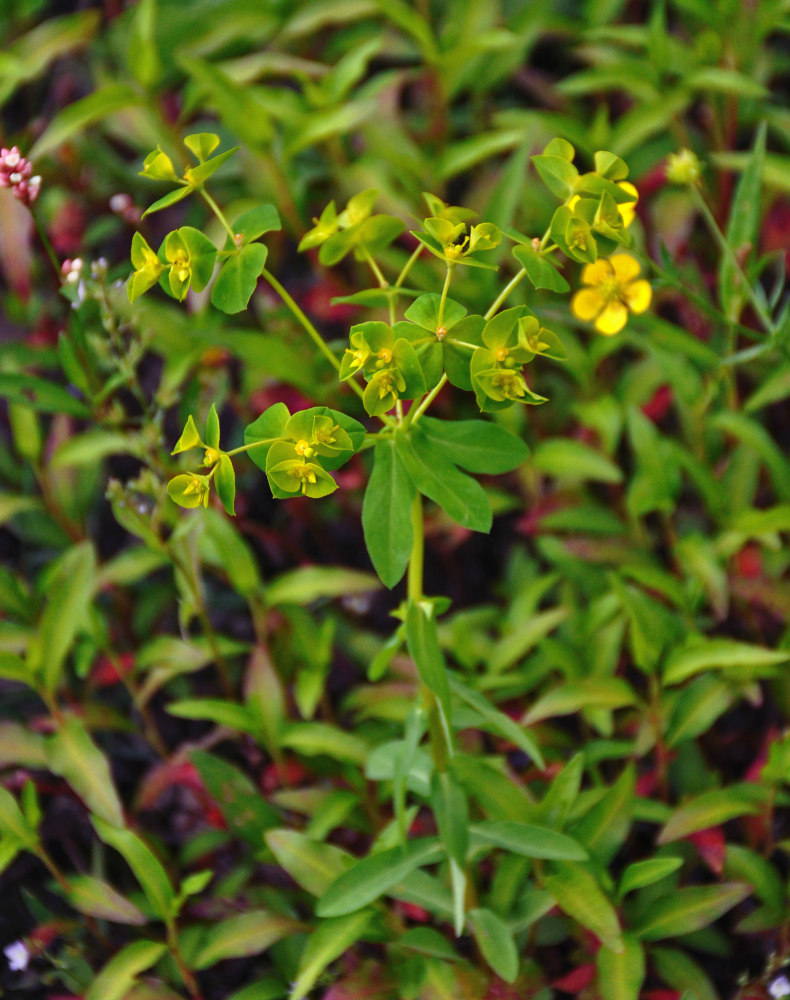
(627,209)
(615,289)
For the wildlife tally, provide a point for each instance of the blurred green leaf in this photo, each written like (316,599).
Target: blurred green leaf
(689,909)
(118,975)
(241,935)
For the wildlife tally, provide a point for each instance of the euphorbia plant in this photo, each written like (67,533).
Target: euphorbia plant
(397,366)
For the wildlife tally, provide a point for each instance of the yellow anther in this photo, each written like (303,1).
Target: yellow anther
(501,353)
(441,333)
(210,456)
(385,354)
(302,447)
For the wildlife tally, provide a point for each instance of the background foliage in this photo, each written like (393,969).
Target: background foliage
(202,725)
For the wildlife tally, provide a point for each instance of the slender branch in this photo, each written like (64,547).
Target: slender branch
(408,266)
(492,309)
(219,213)
(727,251)
(416,412)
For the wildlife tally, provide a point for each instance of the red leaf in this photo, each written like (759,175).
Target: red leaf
(711,846)
(575,980)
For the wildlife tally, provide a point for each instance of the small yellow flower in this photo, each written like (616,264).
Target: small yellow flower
(627,209)
(615,290)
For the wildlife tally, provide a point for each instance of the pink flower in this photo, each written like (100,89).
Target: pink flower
(15,173)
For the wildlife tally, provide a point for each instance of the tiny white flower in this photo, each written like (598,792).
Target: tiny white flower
(780,987)
(18,956)
(15,178)
(12,158)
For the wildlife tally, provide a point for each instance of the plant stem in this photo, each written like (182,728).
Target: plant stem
(517,277)
(408,266)
(311,331)
(727,251)
(416,560)
(416,412)
(445,289)
(219,214)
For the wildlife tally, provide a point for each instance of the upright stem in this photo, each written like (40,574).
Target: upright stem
(727,251)
(416,560)
(219,214)
(445,289)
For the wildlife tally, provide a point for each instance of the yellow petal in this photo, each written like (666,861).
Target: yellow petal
(586,304)
(638,295)
(627,209)
(594,274)
(625,267)
(612,319)
(574,202)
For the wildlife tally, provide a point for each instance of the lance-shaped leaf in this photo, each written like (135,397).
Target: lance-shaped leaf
(386,513)
(119,974)
(460,496)
(495,942)
(146,866)
(242,935)
(475,445)
(690,909)
(578,894)
(74,756)
(327,942)
(97,898)
(373,876)
(621,974)
(422,639)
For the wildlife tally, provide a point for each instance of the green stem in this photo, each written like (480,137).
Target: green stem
(311,331)
(252,444)
(383,283)
(416,412)
(51,256)
(729,253)
(443,300)
(408,266)
(219,214)
(517,277)
(416,559)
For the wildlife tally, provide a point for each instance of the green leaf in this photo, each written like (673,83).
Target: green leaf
(422,639)
(245,811)
(451,811)
(171,198)
(529,840)
(238,278)
(329,941)
(312,865)
(603,829)
(217,710)
(743,227)
(578,894)
(461,498)
(712,808)
(202,144)
(679,970)
(375,875)
(146,866)
(267,428)
(643,873)
(476,445)
(315,738)
(592,692)
(40,394)
(254,223)
(740,658)
(558,174)
(571,460)
(386,513)
(621,974)
(73,755)
(242,935)
(80,114)
(498,721)
(689,909)
(540,270)
(13,823)
(314,583)
(97,898)
(697,707)
(496,943)
(118,975)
